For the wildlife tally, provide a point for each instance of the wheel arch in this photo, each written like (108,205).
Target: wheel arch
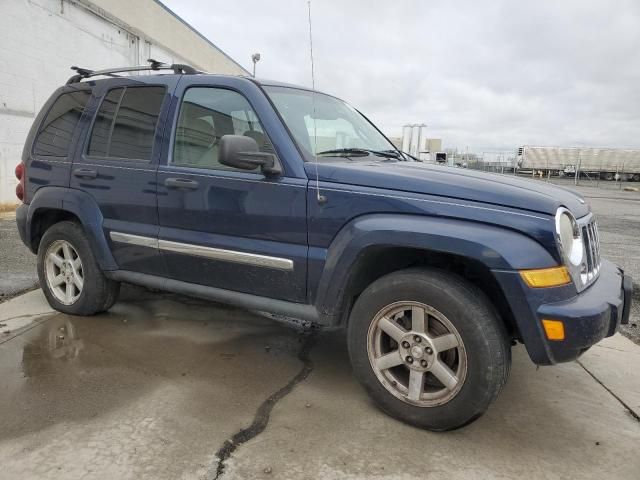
(376,245)
(52,205)
(396,259)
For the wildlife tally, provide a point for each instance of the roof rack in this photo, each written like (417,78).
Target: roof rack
(155,65)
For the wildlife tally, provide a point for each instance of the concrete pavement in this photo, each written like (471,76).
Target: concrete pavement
(144,391)
(548,423)
(157,386)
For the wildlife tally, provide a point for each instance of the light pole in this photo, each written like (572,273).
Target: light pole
(255,58)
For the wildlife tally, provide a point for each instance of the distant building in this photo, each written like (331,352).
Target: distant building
(433,145)
(415,142)
(41,39)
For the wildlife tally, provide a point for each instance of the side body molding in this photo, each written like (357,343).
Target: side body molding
(495,247)
(83,206)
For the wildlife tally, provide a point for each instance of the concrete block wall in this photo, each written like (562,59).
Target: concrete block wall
(41,39)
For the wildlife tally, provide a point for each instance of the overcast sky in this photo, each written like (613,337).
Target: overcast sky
(484,75)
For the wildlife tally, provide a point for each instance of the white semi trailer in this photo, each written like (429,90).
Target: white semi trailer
(602,163)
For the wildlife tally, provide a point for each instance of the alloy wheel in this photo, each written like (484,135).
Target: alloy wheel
(417,354)
(64,272)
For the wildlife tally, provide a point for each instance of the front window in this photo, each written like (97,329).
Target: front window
(321,123)
(206,115)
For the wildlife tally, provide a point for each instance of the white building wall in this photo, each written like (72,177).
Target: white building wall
(41,39)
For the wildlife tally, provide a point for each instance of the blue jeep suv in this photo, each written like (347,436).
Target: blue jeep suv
(278,198)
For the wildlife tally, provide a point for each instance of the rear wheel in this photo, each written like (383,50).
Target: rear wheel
(429,348)
(69,274)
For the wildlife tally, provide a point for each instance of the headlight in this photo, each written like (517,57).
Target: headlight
(579,247)
(569,238)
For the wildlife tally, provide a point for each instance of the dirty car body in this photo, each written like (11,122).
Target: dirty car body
(151,170)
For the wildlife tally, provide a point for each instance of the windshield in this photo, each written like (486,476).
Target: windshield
(337,125)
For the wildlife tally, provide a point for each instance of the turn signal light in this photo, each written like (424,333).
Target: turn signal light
(546,277)
(554,329)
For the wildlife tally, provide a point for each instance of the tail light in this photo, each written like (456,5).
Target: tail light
(20,175)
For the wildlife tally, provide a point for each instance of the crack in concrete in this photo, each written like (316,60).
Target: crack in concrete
(622,402)
(261,417)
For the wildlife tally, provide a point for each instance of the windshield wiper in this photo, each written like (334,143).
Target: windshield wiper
(346,151)
(415,159)
(361,152)
(400,155)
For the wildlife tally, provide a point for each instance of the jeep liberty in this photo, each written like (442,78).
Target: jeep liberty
(277,198)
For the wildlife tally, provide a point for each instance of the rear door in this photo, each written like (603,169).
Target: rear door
(117,165)
(224,227)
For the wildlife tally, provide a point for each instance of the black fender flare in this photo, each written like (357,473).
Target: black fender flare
(495,247)
(83,206)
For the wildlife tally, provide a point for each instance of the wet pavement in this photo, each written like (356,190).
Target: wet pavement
(150,390)
(162,384)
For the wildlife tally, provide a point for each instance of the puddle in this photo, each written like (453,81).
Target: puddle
(185,356)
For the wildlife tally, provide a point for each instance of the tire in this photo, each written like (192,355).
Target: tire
(65,258)
(480,359)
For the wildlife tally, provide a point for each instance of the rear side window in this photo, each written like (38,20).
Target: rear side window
(126,123)
(56,131)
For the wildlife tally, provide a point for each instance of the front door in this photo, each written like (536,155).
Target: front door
(220,226)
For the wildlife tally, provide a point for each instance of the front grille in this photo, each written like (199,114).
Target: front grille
(591,241)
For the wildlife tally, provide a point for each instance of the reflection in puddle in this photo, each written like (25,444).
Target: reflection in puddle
(64,342)
(58,340)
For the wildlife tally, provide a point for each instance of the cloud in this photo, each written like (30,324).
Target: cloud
(483,75)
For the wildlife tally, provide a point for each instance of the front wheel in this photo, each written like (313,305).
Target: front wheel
(429,348)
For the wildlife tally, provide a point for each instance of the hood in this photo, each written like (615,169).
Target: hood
(451,182)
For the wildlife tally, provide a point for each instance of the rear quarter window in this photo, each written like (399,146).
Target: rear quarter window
(56,131)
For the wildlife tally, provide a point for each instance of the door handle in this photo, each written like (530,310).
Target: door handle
(181,183)
(85,173)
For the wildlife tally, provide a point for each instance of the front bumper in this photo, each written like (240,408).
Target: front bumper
(588,317)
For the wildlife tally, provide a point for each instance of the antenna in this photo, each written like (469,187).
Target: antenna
(321,198)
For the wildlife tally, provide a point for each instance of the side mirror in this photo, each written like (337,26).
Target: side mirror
(242,152)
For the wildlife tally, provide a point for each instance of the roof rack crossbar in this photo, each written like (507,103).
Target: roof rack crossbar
(83,73)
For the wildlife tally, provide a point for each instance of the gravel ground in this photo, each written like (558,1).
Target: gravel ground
(18,264)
